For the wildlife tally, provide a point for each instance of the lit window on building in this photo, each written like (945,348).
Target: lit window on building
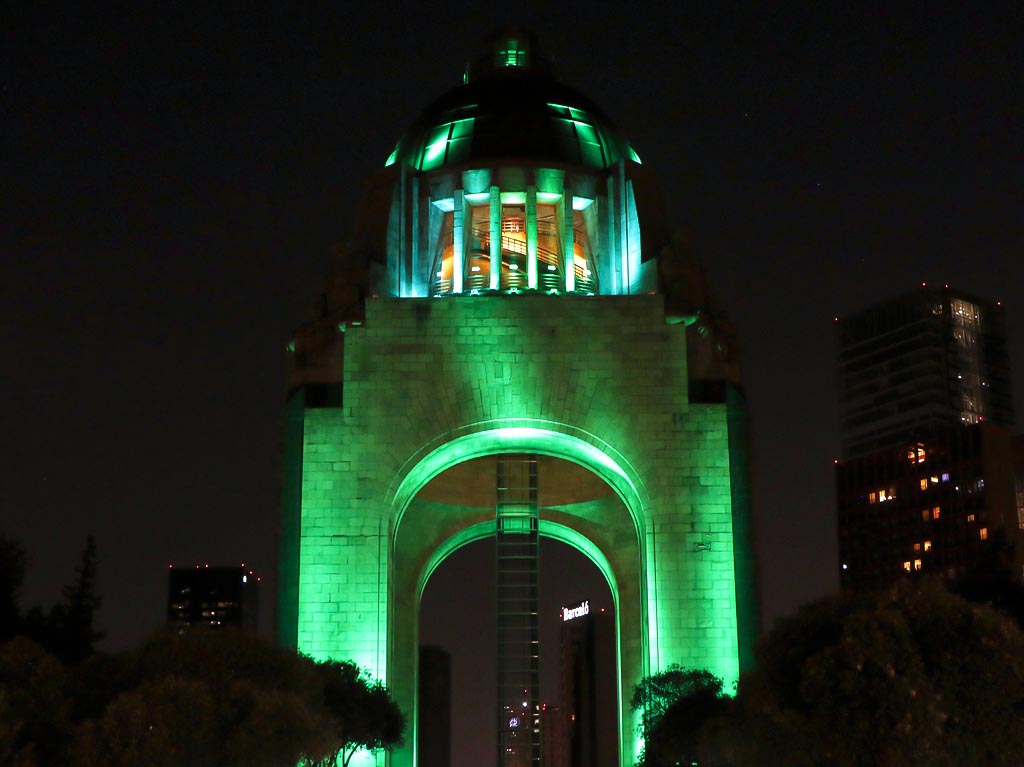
(936,512)
(945,477)
(906,566)
(924,484)
(970,517)
(917,454)
(935,480)
(872,497)
(927,545)
(917,547)
(926,514)
(983,533)
(917,564)
(967,332)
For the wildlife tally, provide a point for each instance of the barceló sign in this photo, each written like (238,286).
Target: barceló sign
(568,613)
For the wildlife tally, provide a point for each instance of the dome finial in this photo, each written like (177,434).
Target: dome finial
(507,48)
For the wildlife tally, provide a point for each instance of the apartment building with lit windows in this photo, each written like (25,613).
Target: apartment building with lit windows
(943,504)
(213,597)
(927,480)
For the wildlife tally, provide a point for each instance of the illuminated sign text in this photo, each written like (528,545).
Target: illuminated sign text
(568,613)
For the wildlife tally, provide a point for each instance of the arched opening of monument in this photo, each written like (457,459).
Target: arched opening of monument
(576,703)
(458,664)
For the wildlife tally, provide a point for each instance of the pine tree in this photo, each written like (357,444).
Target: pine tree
(12,575)
(73,619)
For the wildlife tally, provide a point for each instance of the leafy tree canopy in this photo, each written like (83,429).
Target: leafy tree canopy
(362,714)
(200,698)
(674,706)
(206,698)
(913,676)
(34,715)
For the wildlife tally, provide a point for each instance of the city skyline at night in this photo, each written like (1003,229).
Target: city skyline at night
(176,184)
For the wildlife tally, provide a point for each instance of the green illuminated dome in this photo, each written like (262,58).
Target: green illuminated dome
(511,107)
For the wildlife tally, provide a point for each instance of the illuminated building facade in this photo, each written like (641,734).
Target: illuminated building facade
(512,302)
(928,483)
(944,504)
(213,597)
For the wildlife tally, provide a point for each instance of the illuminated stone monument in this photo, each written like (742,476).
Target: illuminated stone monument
(512,291)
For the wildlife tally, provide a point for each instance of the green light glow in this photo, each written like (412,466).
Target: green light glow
(435,150)
(429,385)
(531,238)
(488,439)
(568,226)
(581,203)
(579,447)
(572,113)
(513,198)
(549,197)
(458,241)
(448,142)
(634,156)
(392,157)
(512,55)
(494,228)
(477,197)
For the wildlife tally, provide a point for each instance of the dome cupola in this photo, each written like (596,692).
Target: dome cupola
(512,182)
(511,106)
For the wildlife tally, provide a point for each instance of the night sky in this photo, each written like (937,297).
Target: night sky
(175,178)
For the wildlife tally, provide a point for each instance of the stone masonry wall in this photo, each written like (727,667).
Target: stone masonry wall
(419,369)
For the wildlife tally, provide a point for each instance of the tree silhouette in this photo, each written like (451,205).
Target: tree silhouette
(12,576)
(204,699)
(78,632)
(67,629)
(362,714)
(910,677)
(674,705)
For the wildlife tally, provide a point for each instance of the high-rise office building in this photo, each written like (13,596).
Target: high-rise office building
(213,597)
(925,360)
(554,737)
(927,482)
(588,684)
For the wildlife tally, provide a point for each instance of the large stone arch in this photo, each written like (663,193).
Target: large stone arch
(519,435)
(423,535)
(600,382)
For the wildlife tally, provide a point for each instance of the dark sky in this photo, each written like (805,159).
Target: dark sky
(175,176)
